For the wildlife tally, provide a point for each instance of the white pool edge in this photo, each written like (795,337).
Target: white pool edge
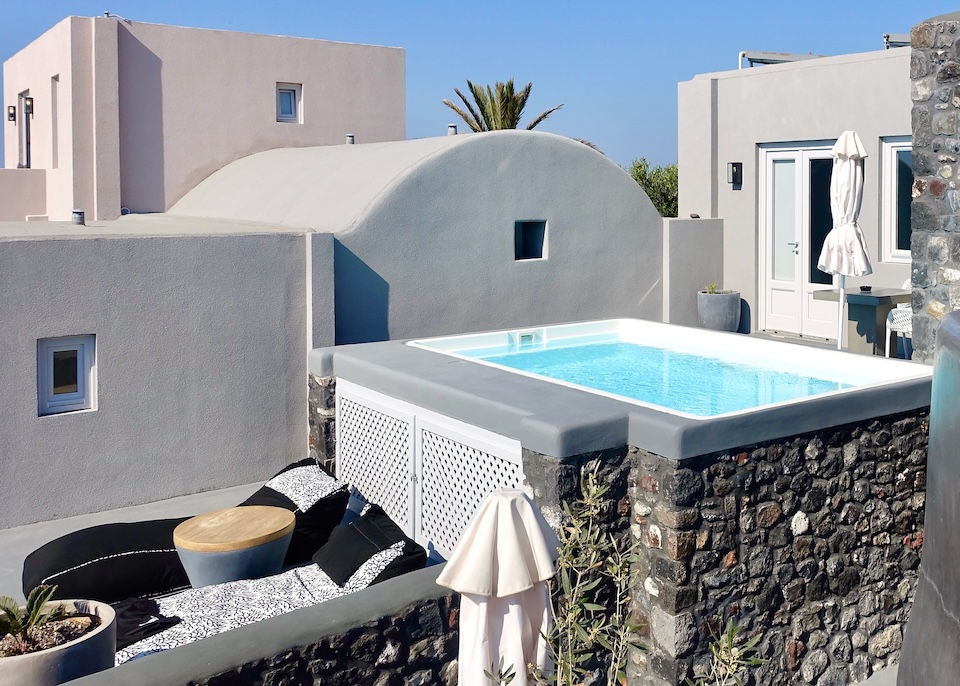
(862,371)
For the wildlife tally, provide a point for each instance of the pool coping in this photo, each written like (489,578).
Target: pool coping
(568,421)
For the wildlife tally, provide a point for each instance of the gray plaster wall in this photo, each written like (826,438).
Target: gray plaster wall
(320,289)
(200,358)
(692,260)
(725,117)
(434,254)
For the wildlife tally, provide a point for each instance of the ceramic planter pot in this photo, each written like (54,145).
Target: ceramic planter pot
(92,652)
(719,311)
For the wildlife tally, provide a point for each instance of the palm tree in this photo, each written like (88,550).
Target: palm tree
(496,108)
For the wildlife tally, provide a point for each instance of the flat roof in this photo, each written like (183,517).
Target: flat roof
(138,225)
(818,63)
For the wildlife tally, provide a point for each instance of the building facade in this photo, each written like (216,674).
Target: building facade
(778,122)
(124,116)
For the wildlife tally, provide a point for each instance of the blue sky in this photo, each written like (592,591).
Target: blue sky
(614,65)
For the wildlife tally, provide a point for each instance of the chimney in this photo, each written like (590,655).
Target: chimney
(451,129)
(350,139)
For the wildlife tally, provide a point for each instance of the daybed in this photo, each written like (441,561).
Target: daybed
(136,567)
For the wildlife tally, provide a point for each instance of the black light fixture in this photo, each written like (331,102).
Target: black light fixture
(11,113)
(735,173)
(28,105)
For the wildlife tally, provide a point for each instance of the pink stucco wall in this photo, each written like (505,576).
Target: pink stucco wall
(194,100)
(33,69)
(22,193)
(146,111)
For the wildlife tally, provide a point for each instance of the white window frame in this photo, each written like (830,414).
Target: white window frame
(296,89)
(890,146)
(85,397)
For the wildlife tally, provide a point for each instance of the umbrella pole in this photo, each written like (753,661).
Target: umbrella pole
(843,283)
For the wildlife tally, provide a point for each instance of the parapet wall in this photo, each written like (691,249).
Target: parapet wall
(812,541)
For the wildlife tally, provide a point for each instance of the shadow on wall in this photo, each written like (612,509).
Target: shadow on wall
(745,322)
(141,125)
(361,299)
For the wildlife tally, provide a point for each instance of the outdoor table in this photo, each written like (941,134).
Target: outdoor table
(867,315)
(236,543)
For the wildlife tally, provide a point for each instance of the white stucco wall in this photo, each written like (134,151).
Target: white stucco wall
(200,355)
(435,253)
(194,100)
(424,230)
(725,117)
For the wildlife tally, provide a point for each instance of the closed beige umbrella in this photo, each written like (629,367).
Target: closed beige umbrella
(500,568)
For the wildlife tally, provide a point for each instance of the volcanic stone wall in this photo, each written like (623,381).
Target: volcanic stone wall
(935,213)
(322,404)
(812,541)
(416,647)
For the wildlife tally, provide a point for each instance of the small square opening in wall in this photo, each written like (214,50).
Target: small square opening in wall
(530,240)
(66,374)
(289,106)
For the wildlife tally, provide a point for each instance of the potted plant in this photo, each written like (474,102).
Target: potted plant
(46,643)
(718,309)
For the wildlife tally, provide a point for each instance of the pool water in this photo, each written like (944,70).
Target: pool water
(694,384)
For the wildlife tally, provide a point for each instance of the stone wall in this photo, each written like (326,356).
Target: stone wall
(416,647)
(935,245)
(321,400)
(812,541)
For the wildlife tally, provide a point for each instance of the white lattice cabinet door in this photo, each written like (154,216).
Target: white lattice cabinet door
(375,450)
(458,465)
(428,472)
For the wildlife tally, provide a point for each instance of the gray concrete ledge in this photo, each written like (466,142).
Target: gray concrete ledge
(562,421)
(274,636)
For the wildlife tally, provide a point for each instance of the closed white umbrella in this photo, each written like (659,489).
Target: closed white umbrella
(500,567)
(844,250)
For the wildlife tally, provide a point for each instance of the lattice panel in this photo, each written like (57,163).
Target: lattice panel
(455,479)
(375,454)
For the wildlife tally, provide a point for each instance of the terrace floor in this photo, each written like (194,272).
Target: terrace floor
(20,541)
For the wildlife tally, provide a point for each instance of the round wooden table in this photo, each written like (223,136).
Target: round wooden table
(236,543)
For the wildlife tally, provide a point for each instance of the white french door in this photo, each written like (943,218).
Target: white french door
(794,220)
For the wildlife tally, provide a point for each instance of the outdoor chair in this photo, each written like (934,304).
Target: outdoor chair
(900,323)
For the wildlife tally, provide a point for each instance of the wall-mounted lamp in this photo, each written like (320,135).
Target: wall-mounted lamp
(11,113)
(735,173)
(28,105)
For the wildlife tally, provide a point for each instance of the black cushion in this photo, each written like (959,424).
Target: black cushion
(109,562)
(353,544)
(317,500)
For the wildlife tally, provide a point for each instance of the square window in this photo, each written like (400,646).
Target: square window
(530,240)
(66,374)
(288,102)
(897,194)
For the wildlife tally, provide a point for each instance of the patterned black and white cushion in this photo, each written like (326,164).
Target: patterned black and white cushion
(317,500)
(214,609)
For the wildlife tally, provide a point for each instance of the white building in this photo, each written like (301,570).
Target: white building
(778,123)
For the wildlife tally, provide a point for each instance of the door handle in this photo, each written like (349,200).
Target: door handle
(793,244)
(795,247)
